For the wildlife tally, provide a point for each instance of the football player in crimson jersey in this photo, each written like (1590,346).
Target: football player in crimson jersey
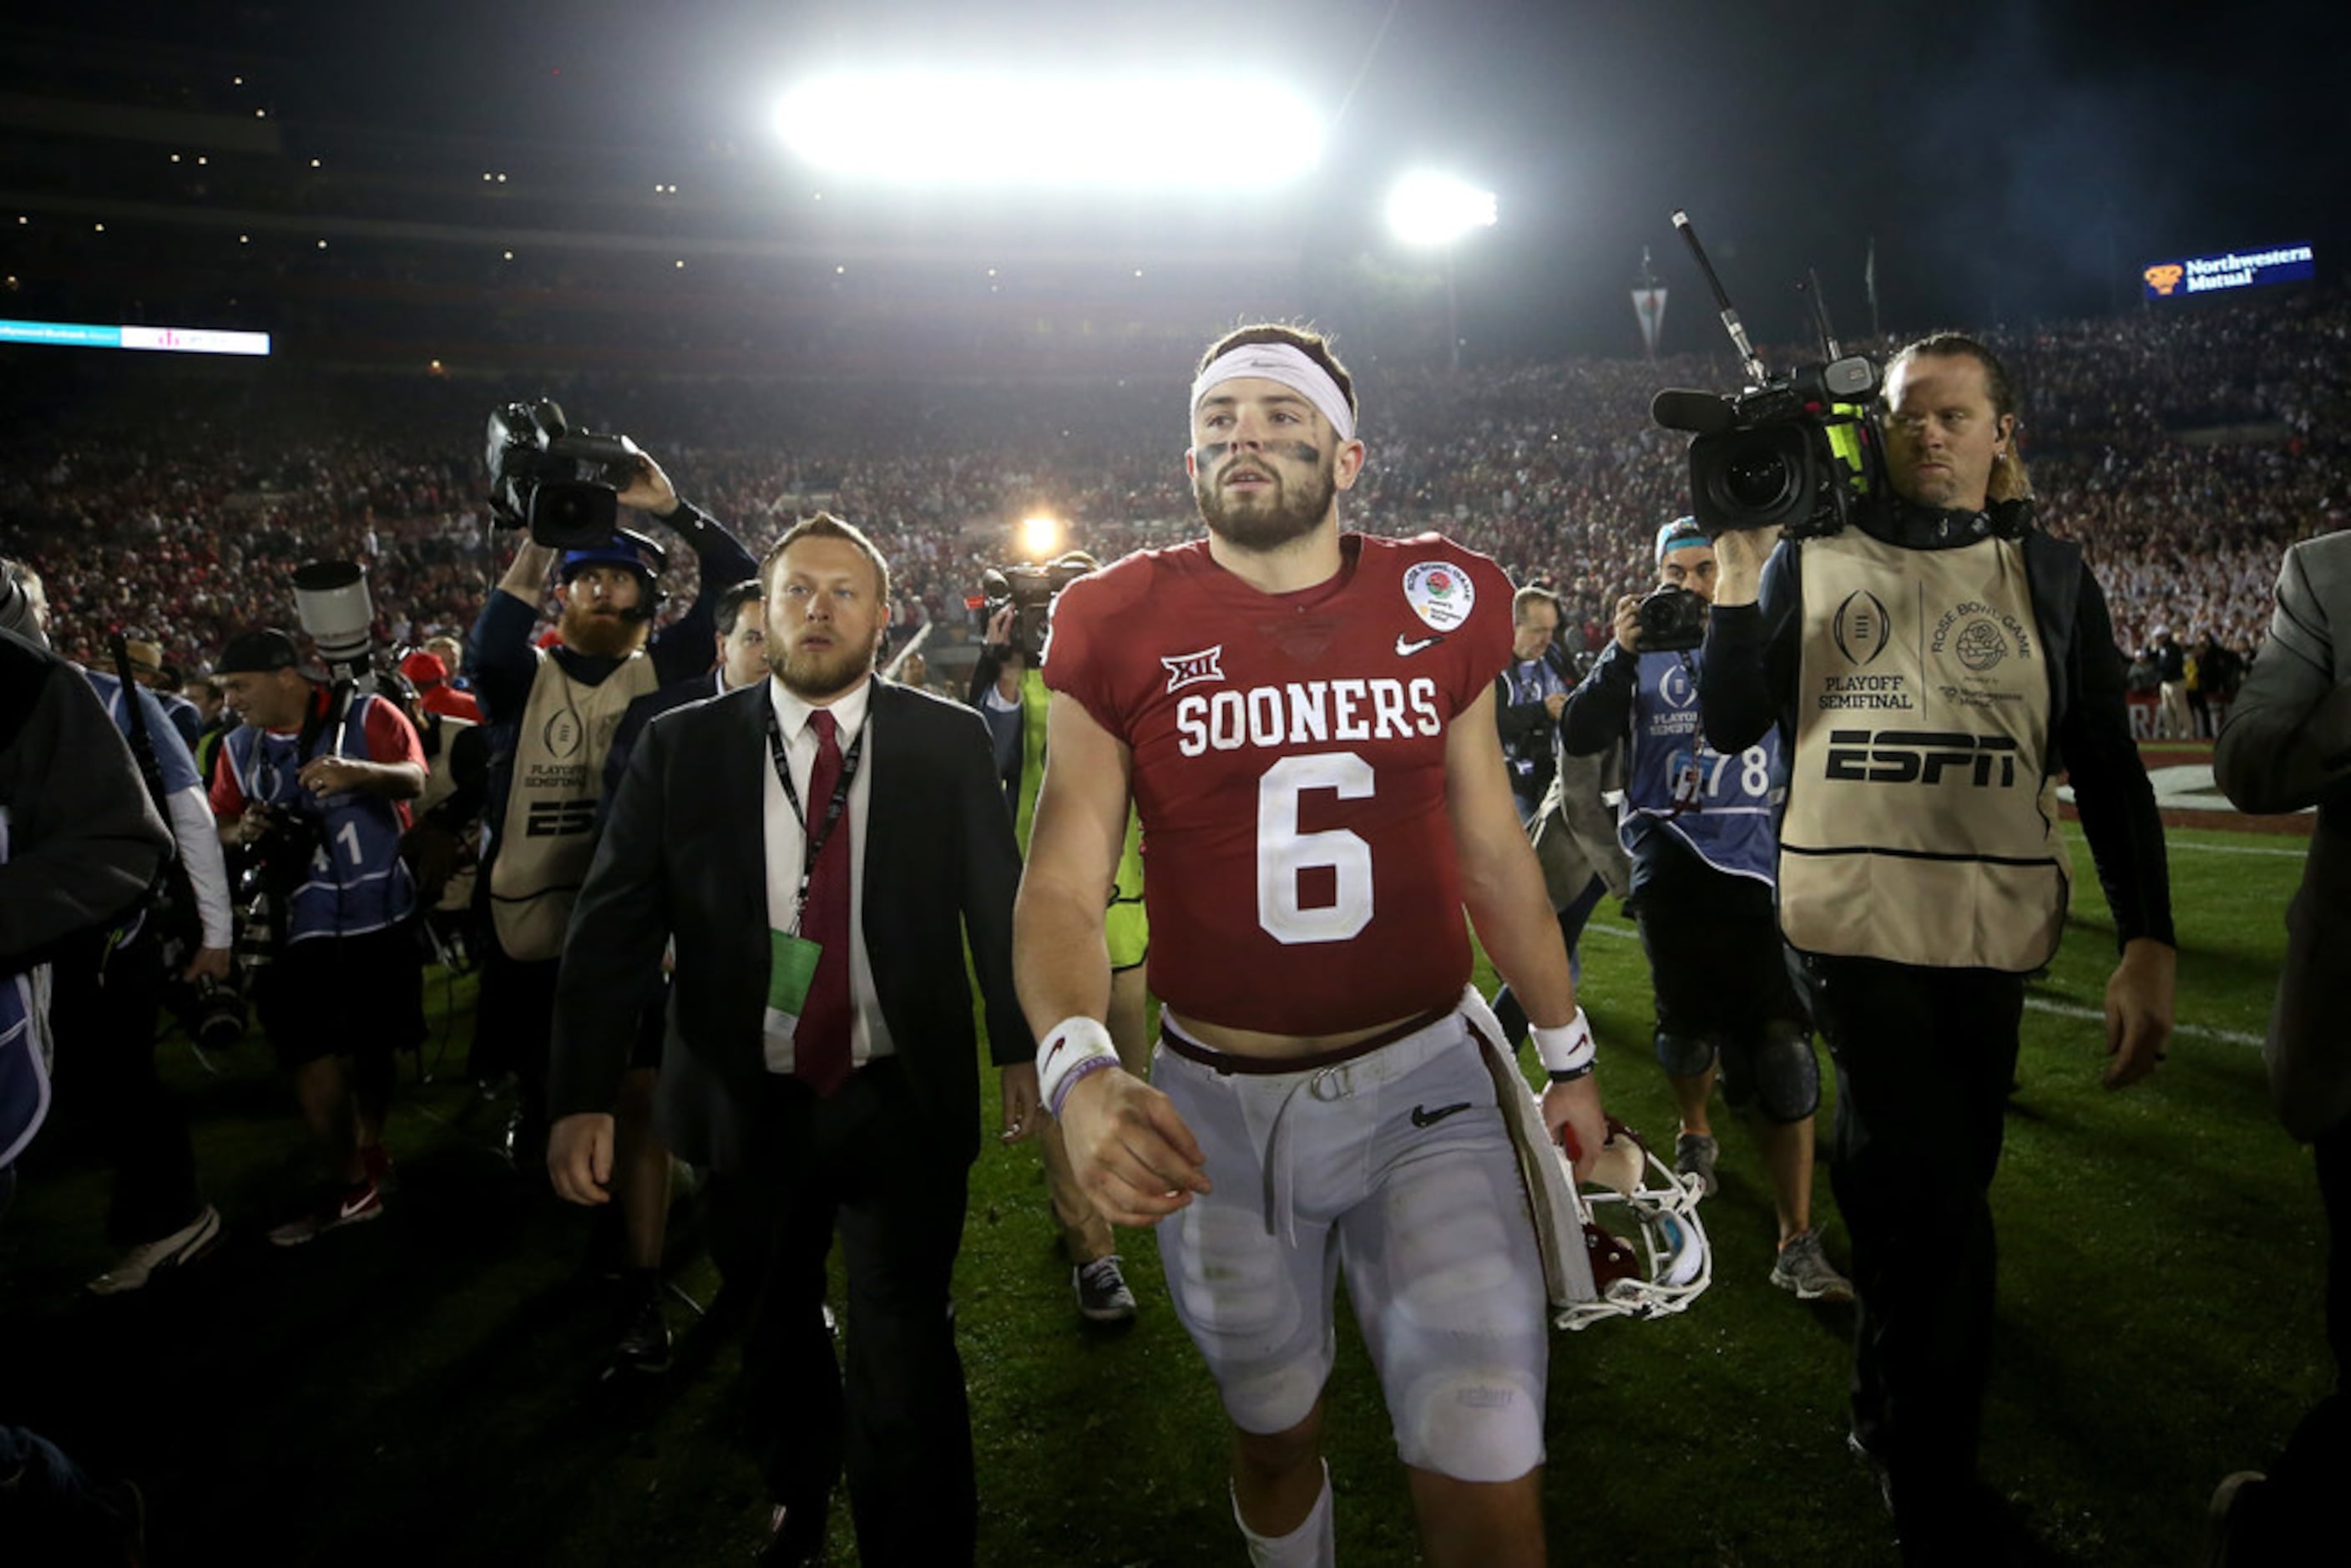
(1304,720)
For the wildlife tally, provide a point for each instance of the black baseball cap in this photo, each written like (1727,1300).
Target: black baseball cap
(258,651)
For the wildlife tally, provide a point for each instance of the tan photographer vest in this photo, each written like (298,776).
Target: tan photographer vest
(1920,827)
(548,832)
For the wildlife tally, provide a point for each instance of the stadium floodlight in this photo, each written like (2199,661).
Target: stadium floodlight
(1040,538)
(1438,209)
(997,130)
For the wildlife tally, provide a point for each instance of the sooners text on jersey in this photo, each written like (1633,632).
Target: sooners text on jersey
(1289,757)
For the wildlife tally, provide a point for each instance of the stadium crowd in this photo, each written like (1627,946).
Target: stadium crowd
(2183,452)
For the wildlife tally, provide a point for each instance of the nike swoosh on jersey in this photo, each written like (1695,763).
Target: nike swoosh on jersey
(1406,647)
(1423,1117)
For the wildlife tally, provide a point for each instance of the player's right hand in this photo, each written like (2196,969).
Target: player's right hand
(580,1158)
(1572,1115)
(1130,1151)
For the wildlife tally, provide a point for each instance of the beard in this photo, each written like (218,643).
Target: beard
(599,634)
(816,674)
(1261,520)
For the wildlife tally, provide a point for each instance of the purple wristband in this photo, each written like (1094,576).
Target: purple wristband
(1068,1080)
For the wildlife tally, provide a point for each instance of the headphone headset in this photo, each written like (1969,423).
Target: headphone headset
(653,596)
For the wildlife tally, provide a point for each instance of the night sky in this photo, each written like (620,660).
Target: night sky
(2000,153)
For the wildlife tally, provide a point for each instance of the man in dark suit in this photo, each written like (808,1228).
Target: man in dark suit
(2287,746)
(638,1235)
(824,1063)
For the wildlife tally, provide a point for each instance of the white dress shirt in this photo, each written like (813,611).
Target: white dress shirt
(786,846)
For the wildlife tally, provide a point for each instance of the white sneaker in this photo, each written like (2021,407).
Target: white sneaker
(140,1266)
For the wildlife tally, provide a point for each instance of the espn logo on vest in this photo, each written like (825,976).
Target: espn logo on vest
(1921,757)
(560,819)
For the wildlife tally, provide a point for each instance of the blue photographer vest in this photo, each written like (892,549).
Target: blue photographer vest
(23,1069)
(171,754)
(357,881)
(1721,807)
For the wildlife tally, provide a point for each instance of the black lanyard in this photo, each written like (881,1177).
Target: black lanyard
(833,808)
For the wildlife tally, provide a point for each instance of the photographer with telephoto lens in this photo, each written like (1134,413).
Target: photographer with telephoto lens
(313,788)
(1697,825)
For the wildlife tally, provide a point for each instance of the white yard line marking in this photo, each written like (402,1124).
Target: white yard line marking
(2038,1004)
(2233,848)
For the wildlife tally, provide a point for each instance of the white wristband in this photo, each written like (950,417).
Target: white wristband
(1568,1048)
(1070,1049)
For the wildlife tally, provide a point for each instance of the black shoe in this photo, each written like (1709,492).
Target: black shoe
(645,1343)
(1103,1295)
(795,1538)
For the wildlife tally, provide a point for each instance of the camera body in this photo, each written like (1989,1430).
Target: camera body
(1029,591)
(281,853)
(562,484)
(1798,453)
(1672,619)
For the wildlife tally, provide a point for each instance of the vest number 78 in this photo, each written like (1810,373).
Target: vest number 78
(1284,854)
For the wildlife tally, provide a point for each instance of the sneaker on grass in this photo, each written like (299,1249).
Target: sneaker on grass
(1694,1157)
(140,1265)
(1103,1295)
(1803,1267)
(334,1207)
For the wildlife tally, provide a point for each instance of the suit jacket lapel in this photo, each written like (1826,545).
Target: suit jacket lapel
(889,754)
(739,795)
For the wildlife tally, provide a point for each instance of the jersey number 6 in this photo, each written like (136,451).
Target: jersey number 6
(1284,854)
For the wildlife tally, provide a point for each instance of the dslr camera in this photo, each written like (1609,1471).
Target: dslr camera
(1029,590)
(1673,619)
(562,484)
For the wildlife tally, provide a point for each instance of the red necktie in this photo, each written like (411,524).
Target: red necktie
(821,1042)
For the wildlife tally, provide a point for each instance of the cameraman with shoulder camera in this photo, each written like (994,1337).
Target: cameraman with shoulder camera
(1933,670)
(551,714)
(1697,825)
(314,785)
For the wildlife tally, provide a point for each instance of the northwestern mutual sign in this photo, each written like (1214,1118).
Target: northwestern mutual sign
(2230,269)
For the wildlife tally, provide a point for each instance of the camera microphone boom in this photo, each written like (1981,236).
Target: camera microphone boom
(1730,322)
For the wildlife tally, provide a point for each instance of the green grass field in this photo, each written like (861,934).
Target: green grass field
(423,1389)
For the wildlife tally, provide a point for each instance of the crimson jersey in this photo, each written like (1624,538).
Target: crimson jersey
(1289,762)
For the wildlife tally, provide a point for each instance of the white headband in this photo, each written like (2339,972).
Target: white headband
(1288,365)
